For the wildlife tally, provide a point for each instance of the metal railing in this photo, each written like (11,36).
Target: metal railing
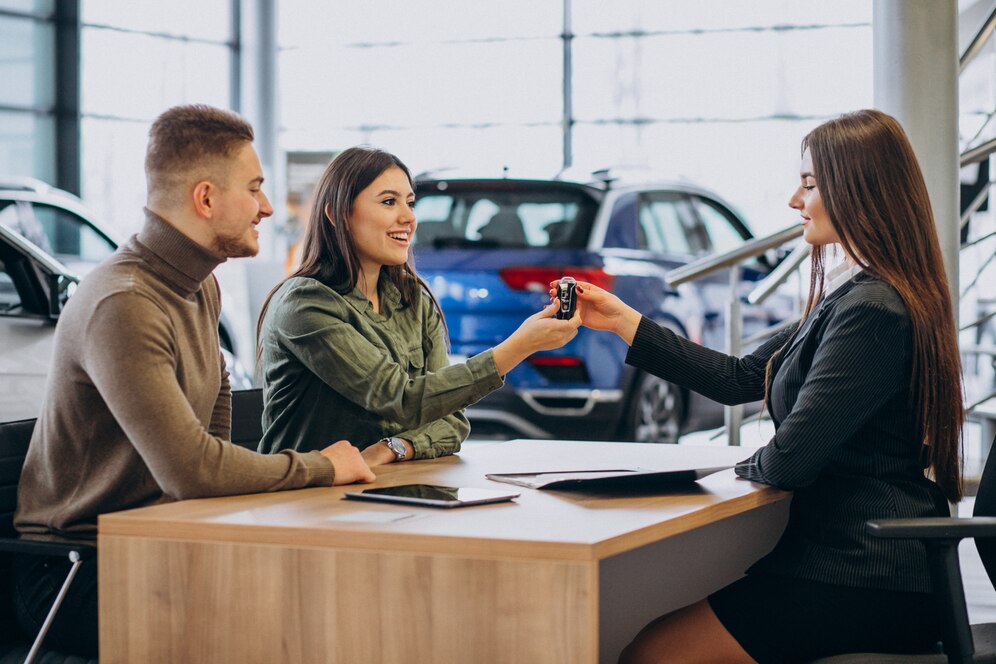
(733,415)
(979,350)
(791,264)
(978,42)
(713,263)
(978,405)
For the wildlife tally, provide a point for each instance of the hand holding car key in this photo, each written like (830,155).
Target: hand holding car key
(567,297)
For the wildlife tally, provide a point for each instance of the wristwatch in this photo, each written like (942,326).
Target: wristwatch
(397,446)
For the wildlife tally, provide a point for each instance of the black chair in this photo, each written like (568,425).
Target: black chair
(15,646)
(247,418)
(962,643)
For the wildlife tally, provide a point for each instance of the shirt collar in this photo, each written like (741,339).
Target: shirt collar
(390,297)
(840,275)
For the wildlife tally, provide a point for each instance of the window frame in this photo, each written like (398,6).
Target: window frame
(687,217)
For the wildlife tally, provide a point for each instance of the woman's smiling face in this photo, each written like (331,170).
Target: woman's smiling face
(382,221)
(818,229)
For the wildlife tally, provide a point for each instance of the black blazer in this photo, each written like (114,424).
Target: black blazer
(845,438)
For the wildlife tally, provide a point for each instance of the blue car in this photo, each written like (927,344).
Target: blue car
(489,248)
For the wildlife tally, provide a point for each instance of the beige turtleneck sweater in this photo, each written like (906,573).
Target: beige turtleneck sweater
(137,409)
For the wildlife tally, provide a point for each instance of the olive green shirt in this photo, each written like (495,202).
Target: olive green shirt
(334,369)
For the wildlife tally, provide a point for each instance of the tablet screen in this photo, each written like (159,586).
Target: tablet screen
(433,495)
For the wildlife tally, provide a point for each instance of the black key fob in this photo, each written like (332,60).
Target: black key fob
(567,296)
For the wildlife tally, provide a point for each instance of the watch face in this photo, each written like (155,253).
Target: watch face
(397,447)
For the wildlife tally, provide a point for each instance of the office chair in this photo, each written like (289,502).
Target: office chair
(14,439)
(962,643)
(247,418)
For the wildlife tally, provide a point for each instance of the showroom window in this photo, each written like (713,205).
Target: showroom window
(27,96)
(159,58)
(669,87)
(719,93)
(438,83)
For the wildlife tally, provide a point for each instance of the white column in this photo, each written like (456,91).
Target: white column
(256,94)
(916,80)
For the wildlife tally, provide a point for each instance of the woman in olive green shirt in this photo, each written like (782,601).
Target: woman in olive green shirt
(353,344)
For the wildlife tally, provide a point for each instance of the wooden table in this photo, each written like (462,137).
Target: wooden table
(304,576)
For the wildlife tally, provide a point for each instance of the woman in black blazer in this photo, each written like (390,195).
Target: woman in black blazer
(866,400)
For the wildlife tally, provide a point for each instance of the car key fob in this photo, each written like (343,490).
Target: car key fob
(567,296)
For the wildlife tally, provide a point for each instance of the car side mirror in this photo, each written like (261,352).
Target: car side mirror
(60,289)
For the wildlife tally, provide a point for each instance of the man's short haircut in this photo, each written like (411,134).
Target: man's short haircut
(186,143)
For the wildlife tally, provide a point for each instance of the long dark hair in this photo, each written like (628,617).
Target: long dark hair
(876,198)
(329,251)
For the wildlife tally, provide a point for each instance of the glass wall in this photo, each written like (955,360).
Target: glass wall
(138,59)
(719,92)
(27,95)
(440,83)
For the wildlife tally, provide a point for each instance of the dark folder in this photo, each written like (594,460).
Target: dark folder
(624,478)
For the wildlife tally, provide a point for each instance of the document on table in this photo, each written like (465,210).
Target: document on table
(624,478)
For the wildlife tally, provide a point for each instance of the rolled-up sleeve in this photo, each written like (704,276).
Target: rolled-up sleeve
(445,435)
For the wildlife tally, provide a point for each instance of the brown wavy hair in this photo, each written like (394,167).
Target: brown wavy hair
(329,251)
(876,198)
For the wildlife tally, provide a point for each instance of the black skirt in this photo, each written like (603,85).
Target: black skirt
(780,620)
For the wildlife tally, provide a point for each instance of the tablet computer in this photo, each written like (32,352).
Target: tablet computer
(432,495)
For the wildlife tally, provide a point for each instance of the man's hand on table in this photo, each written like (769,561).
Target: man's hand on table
(350,466)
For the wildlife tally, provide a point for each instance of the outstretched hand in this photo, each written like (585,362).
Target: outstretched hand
(601,310)
(541,331)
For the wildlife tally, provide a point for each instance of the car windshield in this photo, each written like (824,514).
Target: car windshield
(58,232)
(504,216)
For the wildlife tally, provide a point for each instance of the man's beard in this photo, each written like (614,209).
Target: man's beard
(234,247)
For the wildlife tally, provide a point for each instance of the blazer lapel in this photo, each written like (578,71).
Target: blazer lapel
(813,317)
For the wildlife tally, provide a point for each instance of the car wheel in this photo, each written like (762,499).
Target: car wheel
(656,411)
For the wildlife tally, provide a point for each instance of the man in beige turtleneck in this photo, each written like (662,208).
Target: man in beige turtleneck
(138,406)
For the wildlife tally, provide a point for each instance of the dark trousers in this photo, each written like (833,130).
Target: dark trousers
(35,582)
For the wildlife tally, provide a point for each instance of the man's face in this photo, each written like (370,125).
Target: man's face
(240,205)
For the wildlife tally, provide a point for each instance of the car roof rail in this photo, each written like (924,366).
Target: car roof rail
(605,175)
(433,173)
(502,172)
(582,176)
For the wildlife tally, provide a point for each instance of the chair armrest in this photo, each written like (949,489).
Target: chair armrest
(46,547)
(941,536)
(933,528)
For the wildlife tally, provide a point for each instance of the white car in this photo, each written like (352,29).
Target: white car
(48,242)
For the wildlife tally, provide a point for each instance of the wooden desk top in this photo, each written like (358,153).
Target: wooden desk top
(557,525)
